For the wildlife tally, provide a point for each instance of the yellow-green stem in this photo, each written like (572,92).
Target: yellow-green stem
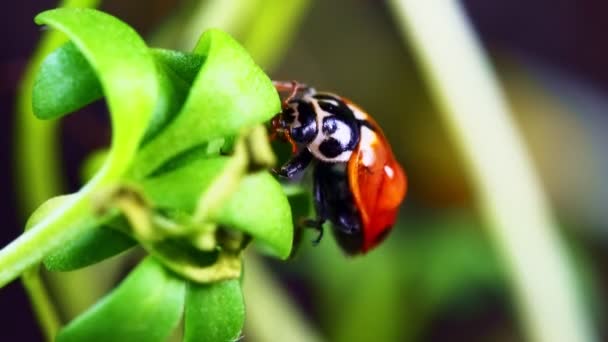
(43,306)
(508,191)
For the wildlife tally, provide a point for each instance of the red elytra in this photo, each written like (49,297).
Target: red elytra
(378,188)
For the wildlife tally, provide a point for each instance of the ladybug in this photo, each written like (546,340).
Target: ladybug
(358,184)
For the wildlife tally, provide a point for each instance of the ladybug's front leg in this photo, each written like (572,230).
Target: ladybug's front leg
(295,165)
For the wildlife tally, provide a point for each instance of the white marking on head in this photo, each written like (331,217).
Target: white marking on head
(389,171)
(368,156)
(342,134)
(330,101)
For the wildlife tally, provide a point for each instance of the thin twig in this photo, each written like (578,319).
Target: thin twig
(518,216)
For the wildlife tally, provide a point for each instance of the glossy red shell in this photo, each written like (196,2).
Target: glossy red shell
(378,187)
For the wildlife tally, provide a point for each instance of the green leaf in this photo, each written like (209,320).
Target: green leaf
(230,93)
(259,207)
(183,65)
(214,312)
(182,187)
(146,306)
(174,81)
(65,82)
(96,242)
(93,246)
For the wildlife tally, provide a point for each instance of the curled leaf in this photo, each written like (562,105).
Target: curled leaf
(229,94)
(65,82)
(125,69)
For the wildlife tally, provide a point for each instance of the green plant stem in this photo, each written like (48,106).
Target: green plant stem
(272,31)
(231,16)
(183,29)
(43,306)
(508,191)
(36,145)
(264,27)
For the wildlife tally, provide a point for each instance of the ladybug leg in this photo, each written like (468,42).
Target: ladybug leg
(307,223)
(316,224)
(321,208)
(295,165)
(321,204)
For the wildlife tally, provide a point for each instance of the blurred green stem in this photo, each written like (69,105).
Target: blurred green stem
(37,166)
(264,27)
(273,29)
(508,190)
(265,298)
(42,304)
(183,28)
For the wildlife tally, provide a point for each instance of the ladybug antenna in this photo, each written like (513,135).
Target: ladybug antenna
(293,87)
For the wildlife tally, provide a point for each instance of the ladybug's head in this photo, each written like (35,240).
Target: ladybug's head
(297,122)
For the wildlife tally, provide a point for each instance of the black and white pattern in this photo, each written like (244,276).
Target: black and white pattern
(339,130)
